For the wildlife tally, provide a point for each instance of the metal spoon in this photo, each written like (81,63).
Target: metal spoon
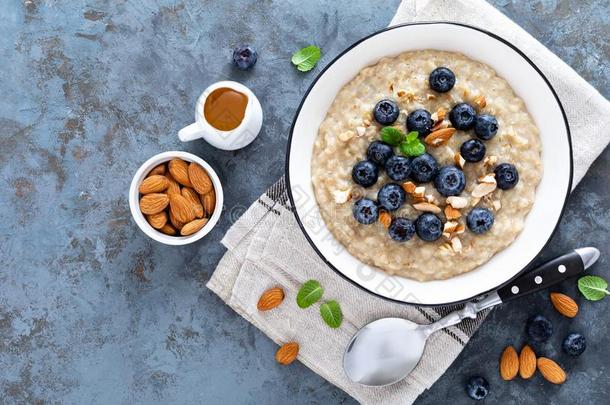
(386,350)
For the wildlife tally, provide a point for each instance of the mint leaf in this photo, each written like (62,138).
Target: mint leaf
(593,288)
(391,135)
(414,148)
(412,136)
(309,293)
(331,313)
(306,58)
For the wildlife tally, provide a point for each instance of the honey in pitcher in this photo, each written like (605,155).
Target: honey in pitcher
(225,108)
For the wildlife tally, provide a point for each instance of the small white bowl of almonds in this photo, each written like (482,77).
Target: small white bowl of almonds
(176,198)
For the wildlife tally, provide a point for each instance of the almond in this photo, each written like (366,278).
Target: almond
(200,179)
(385,219)
(270,299)
(457,202)
(439,136)
(209,202)
(193,226)
(174,187)
(178,168)
(483,189)
(456,244)
(419,192)
(168,230)
(551,371)
(154,184)
(181,208)
(565,305)
(527,362)
(153,203)
(193,198)
(287,353)
(459,160)
(452,213)
(158,220)
(157,170)
(427,207)
(480,101)
(409,187)
(450,227)
(176,224)
(509,364)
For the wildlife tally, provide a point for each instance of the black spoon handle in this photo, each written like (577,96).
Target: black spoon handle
(558,269)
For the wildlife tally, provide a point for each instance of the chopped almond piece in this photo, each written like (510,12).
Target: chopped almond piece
(452,213)
(409,187)
(427,207)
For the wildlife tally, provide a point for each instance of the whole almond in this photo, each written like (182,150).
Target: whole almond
(565,305)
(157,170)
(154,184)
(199,178)
(551,371)
(527,362)
(181,208)
(192,196)
(209,202)
(168,230)
(175,223)
(270,299)
(179,171)
(193,226)
(153,203)
(158,220)
(509,363)
(440,136)
(287,353)
(173,187)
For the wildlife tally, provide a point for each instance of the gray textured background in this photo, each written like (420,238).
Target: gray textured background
(91,311)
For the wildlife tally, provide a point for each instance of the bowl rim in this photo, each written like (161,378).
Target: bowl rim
(138,216)
(339,56)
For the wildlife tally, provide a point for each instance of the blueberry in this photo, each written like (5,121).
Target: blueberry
(477,387)
(441,79)
(244,57)
(450,181)
(480,220)
(473,150)
(424,168)
(507,176)
(379,152)
(539,328)
(420,121)
(462,116)
(574,344)
(401,229)
(391,196)
(486,127)
(429,227)
(398,168)
(365,173)
(365,211)
(386,112)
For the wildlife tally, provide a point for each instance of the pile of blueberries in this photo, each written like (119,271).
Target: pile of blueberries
(448,180)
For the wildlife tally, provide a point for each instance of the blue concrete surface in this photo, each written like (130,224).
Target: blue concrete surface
(93,312)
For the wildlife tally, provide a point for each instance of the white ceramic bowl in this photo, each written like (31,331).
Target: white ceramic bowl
(526,80)
(134,198)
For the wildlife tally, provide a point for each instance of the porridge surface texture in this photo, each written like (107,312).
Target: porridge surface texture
(349,128)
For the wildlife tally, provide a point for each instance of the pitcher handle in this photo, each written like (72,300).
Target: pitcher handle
(190,133)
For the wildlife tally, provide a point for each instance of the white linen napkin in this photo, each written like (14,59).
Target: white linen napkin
(266,247)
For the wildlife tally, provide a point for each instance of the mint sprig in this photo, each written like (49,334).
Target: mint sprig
(412,146)
(391,136)
(310,293)
(305,59)
(593,288)
(331,313)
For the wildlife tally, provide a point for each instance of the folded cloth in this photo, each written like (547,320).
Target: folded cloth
(266,247)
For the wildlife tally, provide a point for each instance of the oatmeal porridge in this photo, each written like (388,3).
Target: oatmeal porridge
(426,165)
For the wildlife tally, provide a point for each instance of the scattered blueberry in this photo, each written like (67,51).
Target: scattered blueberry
(480,220)
(398,168)
(379,152)
(386,112)
(420,121)
(507,176)
(424,168)
(539,328)
(365,173)
(574,344)
(391,196)
(450,181)
(429,227)
(441,79)
(486,127)
(477,388)
(365,211)
(244,57)
(473,150)
(401,229)
(462,116)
